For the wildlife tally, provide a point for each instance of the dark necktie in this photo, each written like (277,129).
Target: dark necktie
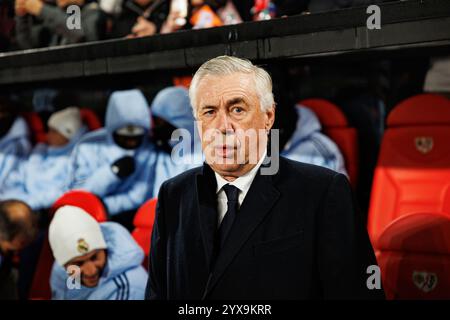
(232,207)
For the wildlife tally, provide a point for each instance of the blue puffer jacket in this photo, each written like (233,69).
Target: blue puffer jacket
(309,145)
(172,104)
(42,178)
(97,151)
(14,148)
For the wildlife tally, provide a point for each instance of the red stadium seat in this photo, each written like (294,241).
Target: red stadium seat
(40,288)
(182,81)
(336,126)
(143,222)
(413,170)
(414,257)
(84,200)
(36,127)
(90,119)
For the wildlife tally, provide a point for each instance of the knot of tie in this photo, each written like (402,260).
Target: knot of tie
(232,192)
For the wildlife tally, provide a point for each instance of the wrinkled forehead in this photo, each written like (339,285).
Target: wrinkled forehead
(216,90)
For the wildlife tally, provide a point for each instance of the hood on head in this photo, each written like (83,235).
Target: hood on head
(173,105)
(127,108)
(123,252)
(307,124)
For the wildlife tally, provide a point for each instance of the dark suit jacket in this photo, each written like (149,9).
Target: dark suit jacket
(297,235)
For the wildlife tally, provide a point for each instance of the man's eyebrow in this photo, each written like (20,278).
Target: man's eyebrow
(228,103)
(208,106)
(236,100)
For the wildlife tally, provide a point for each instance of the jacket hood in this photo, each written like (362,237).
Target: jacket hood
(123,252)
(307,124)
(127,108)
(173,105)
(19,129)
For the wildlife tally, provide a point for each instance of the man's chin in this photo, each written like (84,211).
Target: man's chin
(90,283)
(226,168)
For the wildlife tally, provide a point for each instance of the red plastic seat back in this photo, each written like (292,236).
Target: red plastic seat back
(40,288)
(90,119)
(414,257)
(36,127)
(182,81)
(336,126)
(413,170)
(143,222)
(87,201)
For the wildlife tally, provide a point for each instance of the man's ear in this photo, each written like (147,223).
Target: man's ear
(270,118)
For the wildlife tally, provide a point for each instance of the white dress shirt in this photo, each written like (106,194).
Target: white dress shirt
(243,183)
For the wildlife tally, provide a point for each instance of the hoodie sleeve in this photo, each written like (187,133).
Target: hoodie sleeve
(11,156)
(82,175)
(101,182)
(44,199)
(57,283)
(128,200)
(79,166)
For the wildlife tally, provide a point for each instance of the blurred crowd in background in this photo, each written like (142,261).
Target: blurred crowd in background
(26,24)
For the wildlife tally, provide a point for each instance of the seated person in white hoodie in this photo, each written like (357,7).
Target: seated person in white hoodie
(43,178)
(94,261)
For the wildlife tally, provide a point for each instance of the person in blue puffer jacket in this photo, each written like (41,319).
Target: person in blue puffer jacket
(94,261)
(15,145)
(171,110)
(117,162)
(41,179)
(307,144)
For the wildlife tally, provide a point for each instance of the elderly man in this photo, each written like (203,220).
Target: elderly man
(228,230)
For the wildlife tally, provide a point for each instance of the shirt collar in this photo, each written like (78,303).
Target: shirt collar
(244,182)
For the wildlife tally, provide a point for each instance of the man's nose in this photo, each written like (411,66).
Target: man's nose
(89,269)
(225,124)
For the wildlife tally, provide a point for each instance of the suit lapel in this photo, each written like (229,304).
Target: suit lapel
(259,200)
(207,209)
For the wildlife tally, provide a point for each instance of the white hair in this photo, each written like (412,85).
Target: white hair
(227,65)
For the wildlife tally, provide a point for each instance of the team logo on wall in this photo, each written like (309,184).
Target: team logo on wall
(83,246)
(425,281)
(424,144)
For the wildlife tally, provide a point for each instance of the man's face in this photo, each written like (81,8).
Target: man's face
(56,139)
(91,267)
(15,245)
(227,107)
(20,211)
